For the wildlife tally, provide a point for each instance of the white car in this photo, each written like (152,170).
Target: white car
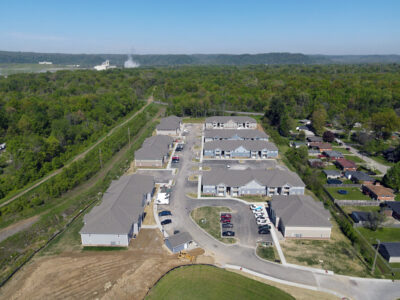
(252,207)
(261,222)
(259,216)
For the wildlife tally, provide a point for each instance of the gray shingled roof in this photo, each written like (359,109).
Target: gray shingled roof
(331,173)
(225,119)
(272,178)
(314,139)
(229,145)
(169,123)
(122,205)
(392,248)
(301,211)
(154,148)
(360,176)
(179,239)
(333,153)
(394,205)
(229,133)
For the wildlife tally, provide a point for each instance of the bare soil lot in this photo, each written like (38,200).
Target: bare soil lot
(125,274)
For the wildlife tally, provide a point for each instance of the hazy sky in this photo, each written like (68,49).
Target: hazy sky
(168,26)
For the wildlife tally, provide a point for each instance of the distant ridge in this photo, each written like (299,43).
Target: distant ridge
(89,60)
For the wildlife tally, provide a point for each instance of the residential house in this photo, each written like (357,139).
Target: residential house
(378,192)
(392,209)
(119,216)
(316,163)
(359,177)
(314,139)
(154,151)
(322,147)
(230,122)
(333,155)
(298,144)
(240,149)
(234,135)
(178,242)
(360,218)
(300,217)
(390,251)
(346,165)
(313,152)
(171,125)
(332,174)
(222,182)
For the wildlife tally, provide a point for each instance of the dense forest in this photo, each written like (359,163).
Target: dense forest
(89,60)
(45,119)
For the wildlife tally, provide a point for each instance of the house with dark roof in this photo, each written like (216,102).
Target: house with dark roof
(240,149)
(313,152)
(390,251)
(154,151)
(230,122)
(313,139)
(300,216)
(119,216)
(322,147)
(378,192)
(171,125)
(178,242)
(222,182)
(346,165)
(332,174)
(234,135)
(360,218)
(392,209)
(315,163)
(333,155)
(359,177)
(298,144)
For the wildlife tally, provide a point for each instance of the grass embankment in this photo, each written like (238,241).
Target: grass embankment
(255,198)
(383,234)
(354,158)
(208,218)
(58,212)
(336,254)
(353,193)
(268,253)
(207,282)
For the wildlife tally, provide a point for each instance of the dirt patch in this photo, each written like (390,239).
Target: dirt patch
(126,274)
(17,227)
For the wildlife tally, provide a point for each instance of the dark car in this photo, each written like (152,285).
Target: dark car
(225,220)
(164,213)
(228,233)
(165,222)
(227,225)
(179,147)
(264,227)
(226,216)
(263,231)
(348,148)
(334,181)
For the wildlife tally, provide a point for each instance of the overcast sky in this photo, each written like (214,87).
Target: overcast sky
(168,26)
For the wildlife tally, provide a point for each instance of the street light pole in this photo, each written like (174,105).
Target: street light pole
(376,255)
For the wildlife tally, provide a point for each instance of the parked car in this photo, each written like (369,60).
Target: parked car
(228,166)
(175,159)
(264,227)
(164,213)
(227,225)
(259,209)
(348,148)
(252,206)
(261,222)
(228,233)
(226,216)
(179,147)
(165,222)
(225,220)
(263,231)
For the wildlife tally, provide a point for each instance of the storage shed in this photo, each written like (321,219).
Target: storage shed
(178,242)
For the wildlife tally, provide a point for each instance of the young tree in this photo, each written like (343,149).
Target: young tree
(318,118)
(301,136)
(375,220)
(328,136)
(276,111)
(392,177)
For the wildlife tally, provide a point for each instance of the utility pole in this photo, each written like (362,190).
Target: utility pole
(376,255)
(129,136)
(101,161)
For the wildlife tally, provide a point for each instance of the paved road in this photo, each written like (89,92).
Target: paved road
(376,165)
(243,253)
(78,157)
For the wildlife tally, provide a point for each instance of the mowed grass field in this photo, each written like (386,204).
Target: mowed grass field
(383,234)
(207,282)
(208,218)
(353,193)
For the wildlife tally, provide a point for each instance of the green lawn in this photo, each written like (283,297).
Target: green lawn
(193,120)
(354,158)
(349,209)
(207,217)
(331,167)
(383,234)
(353,194)
(382,160)
(255,198)
(341,149)
(207,282)
(267,253)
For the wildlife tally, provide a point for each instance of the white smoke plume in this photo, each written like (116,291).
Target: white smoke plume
(130,63)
